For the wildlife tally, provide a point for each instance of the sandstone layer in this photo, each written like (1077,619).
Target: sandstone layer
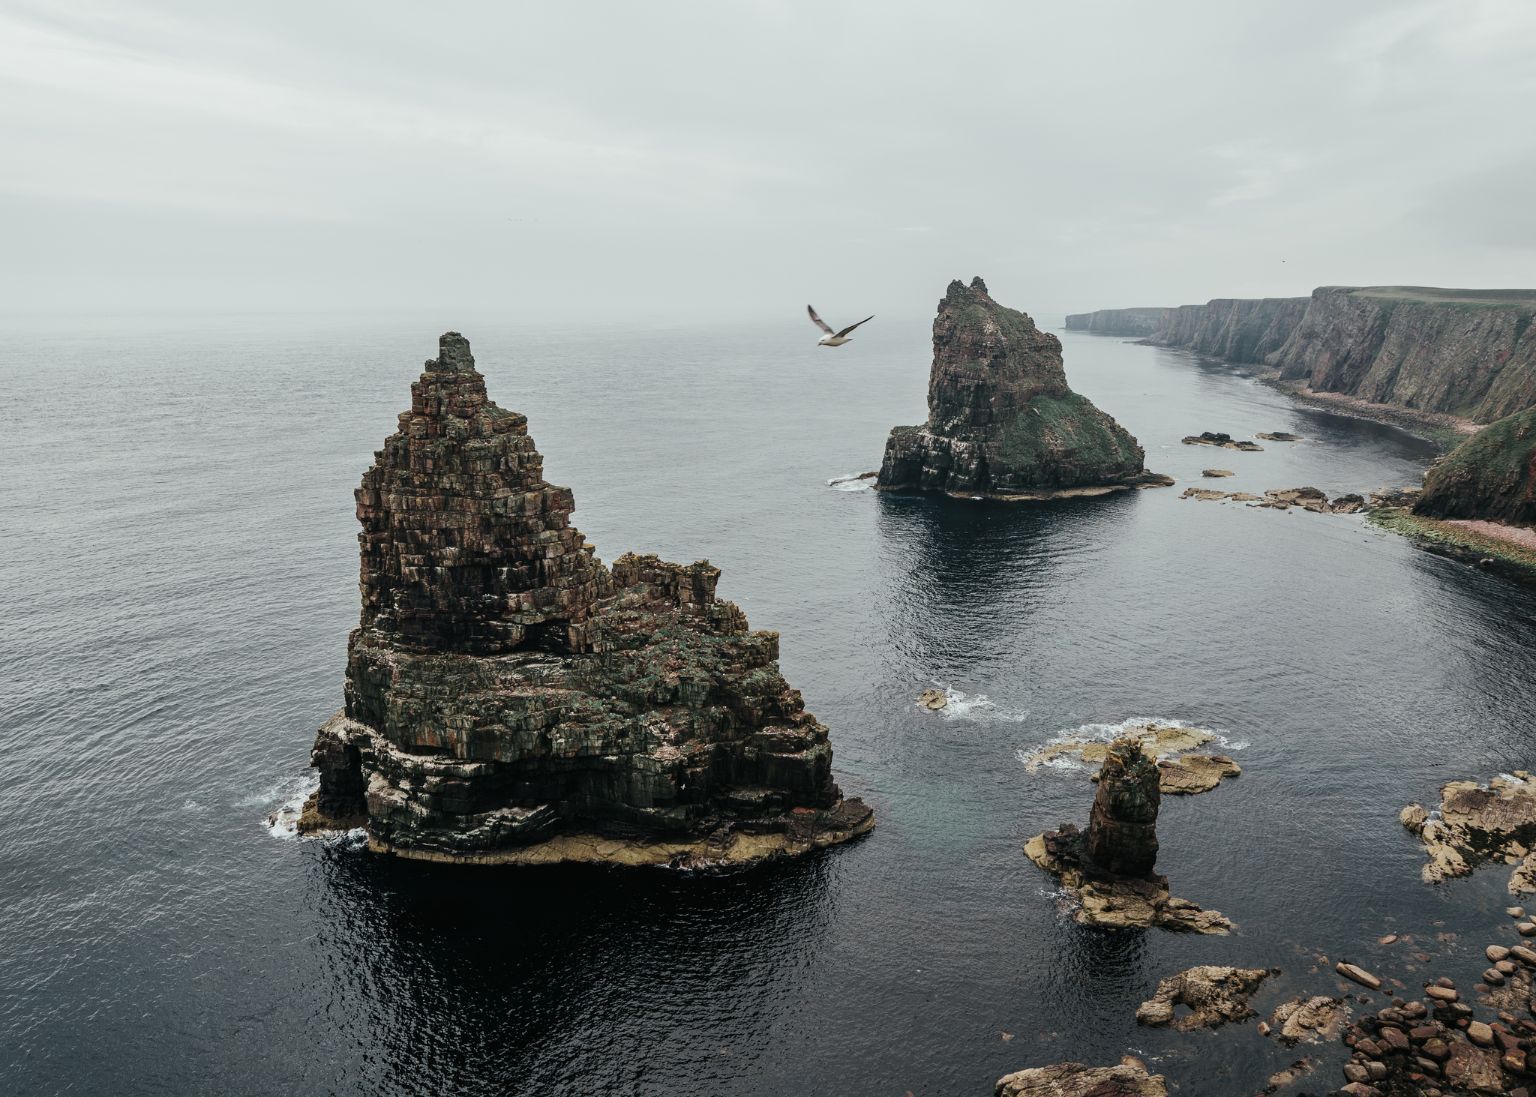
(1129,1078)
(1138,322)
(1212,994)
(509,699)
(1002,420)
(1476,823)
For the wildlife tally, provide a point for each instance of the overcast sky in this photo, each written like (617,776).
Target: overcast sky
(735,159)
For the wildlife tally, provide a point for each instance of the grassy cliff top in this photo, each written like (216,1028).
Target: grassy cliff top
(1437,296)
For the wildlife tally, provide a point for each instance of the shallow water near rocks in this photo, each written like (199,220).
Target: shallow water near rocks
(179,551)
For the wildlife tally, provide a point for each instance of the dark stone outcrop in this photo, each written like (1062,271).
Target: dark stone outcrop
(1122,829)
(511,699)
(1491,476)
(1002,420)
(1137,322)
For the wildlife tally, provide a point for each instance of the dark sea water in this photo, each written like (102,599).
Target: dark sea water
(179,565)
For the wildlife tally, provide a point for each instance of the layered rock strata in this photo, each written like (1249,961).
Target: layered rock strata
(1469,354)
(1002,420)
(1136,322)
(511,699)
(1110,869)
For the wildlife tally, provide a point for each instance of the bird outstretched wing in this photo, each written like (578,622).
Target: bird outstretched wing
(818,321)
(850,327)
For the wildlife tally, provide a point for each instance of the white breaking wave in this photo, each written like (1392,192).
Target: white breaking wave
(1108,733)
(282,821)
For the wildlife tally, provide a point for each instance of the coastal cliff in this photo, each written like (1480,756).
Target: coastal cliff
(1489,477)
(511,699)
(1234,329)
(1002,420)
(1468,354)
(1132,322)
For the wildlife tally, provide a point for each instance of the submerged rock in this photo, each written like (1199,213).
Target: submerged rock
(509,699)
(1128,1079)
(1223,440)
(1002,421)
(1216,474)
(1278,436)
(933,699)
(1109,869)
(1214,995)
(1477,823)
(1179,773)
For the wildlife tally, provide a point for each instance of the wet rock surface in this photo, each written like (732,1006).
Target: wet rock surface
(1110,868)
(1309,1020)
(1002,421)
(1213,996)
(1129,1078)
(1223,440)
(1475,823)
(1303,498)
(1195,773)
(509,699)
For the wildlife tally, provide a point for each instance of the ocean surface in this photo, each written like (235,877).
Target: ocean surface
(179,563)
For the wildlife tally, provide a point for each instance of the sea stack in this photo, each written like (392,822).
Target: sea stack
(1002,420)
(1122,830)
(509,699)
(1111,868)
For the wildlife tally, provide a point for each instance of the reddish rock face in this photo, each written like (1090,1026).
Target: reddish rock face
(464,546)
(1122,831)
(506,692)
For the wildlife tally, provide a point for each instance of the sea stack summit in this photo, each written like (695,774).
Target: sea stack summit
(1002,421)
(509,699)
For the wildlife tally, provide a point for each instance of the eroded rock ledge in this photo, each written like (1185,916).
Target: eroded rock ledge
(1476,823)
(509,699)
(1002,421)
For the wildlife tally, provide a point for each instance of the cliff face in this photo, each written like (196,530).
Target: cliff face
(1001,418)
(1461,352)
(1131,322)
(1122,831)
(1469,353)
(509,698)
(1491,475)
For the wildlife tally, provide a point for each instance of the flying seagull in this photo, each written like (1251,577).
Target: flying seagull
(833,338)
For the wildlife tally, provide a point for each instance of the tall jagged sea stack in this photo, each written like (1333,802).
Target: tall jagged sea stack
(1002,420)
(511,699)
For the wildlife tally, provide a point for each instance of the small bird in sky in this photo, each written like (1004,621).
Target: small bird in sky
(833,338)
